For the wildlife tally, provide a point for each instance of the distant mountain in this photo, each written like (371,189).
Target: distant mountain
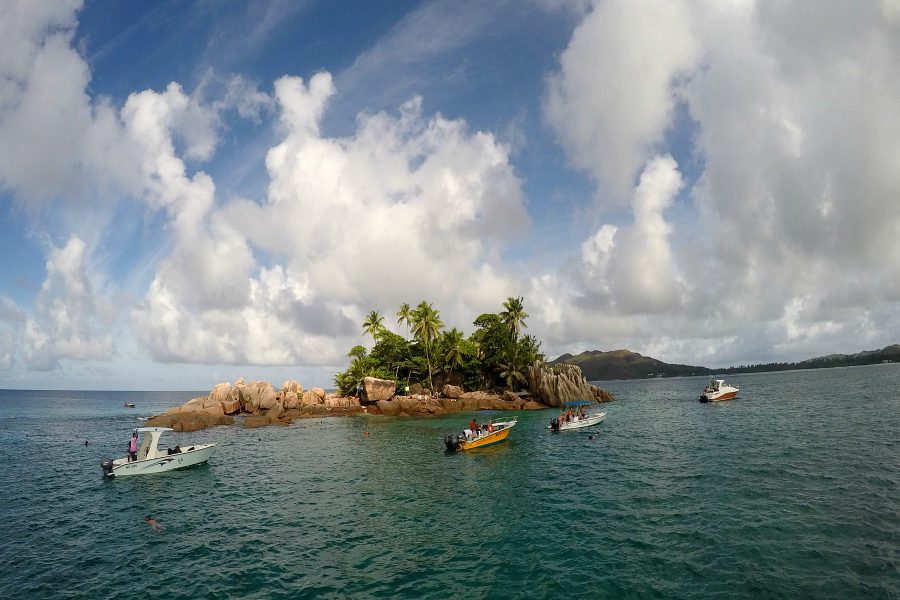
(623,364)
(887,354)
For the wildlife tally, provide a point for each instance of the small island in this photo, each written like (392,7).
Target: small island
(431,371)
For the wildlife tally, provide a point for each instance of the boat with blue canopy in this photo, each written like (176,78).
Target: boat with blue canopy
(479,436)
(575,416)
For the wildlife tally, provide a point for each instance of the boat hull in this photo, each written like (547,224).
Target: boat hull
(485,440)
(161,464)
(581,423)
(719,396)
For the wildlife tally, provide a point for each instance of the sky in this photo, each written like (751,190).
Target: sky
(192,192)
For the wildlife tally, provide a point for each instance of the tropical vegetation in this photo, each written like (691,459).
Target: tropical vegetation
(495,353)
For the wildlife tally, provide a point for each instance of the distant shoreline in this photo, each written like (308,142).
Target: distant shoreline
(616,365)
(728,372)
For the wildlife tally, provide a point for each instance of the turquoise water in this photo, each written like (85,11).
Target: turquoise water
(790,491)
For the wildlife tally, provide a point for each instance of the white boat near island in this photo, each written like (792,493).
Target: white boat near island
(577,421)
(152,460)
(717,390)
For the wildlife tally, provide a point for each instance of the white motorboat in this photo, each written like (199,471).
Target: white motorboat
(717,391)
(577,421)
(152,460)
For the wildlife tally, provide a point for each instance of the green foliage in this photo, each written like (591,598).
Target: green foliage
(390,354)
(532,350)
(512,368)
(514,316)
(454,348)
(350,382)
(427,327)
(492,340)
(372,325)
(405,315)
(493,349)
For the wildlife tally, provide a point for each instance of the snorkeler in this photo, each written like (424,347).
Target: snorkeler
(152,522)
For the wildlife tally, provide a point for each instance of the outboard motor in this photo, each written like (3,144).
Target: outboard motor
(107,465)
(554,423)
(704,399)
(451,440)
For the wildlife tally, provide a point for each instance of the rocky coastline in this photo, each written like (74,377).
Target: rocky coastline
(258,404)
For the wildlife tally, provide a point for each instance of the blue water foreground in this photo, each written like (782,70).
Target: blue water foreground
(789,491)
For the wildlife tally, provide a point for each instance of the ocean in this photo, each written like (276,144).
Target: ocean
(789,491)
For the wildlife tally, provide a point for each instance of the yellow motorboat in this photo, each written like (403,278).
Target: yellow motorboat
(487,434)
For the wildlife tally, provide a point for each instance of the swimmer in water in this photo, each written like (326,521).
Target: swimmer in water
(152,522)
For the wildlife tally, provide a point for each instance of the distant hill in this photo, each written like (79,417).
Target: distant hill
(623,364)
(866,357)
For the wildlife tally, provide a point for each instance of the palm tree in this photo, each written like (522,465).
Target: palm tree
(358,352)
(455,344)
(514,316)
(427,326)
(533,348)
(512,367)
(405,315)
(373,325)
(351,381)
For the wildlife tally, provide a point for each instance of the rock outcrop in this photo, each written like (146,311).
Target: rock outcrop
(480,396)
(221,393)
(313,396)
(291,393)
(408,405)
(260,405)
(375,389)
(562,383)
(189,421)
(336,401)
(264,391)
(274,414)
(452,391)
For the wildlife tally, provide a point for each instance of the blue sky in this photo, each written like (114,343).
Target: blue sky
(194,192)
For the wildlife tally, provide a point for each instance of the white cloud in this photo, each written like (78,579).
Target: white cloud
(407,208)
(615,92)
(57,142)
(796,109)
(639,266)
(789,248)
(70,321)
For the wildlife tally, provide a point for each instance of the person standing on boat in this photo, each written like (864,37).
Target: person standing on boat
(582,413)
(132,447)
(474,427)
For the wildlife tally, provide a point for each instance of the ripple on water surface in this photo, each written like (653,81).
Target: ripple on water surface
(790,491)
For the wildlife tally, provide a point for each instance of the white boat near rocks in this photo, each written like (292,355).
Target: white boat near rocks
(577,421)
(152,460)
